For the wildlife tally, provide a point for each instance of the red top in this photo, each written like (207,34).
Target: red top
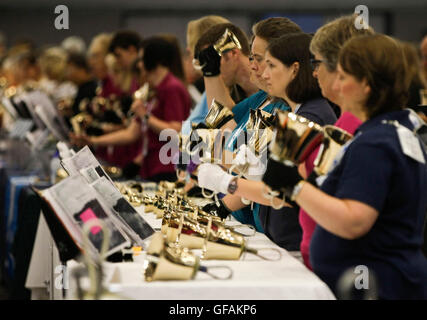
(118,155)
(109,88)
(173,104)
(349,123)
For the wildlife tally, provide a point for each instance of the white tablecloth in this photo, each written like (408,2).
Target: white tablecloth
(253,278)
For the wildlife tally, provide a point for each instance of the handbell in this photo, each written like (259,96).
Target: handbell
(225,244)
(228,41)
(295,137)
(207,143)
(262,131)
(218,115)
(166,261)
(334,139)
(80,122)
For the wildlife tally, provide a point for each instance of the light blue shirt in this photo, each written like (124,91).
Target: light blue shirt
(197,115)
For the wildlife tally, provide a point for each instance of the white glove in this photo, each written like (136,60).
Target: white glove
(213,177)
(256,164)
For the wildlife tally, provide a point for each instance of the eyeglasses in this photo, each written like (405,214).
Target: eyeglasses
(315,63)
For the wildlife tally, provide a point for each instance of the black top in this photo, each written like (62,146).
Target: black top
(375,171)
(282,226)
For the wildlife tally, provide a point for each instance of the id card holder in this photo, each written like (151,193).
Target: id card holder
(410,144)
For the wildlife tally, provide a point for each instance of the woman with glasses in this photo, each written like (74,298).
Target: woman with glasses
(325,46)
(370,210)
(288,75)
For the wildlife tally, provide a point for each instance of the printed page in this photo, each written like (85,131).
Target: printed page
(75,203)
(136,226)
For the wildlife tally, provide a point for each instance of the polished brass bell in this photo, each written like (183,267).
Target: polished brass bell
(218,115)
(295,137)
(334,139)
(228,41)
(80,122)
(166,261)
(209,145)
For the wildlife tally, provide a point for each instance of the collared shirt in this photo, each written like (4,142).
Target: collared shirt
(173,104)
(197,115)
(376,172)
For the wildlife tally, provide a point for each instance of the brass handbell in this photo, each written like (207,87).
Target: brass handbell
(334,139)
(228,41)
(113,171)
(224,244)
(262,131)
(218,115)
(183,230)
(210,146)
(80,122)
(295,137)
(144,93)
(166,261)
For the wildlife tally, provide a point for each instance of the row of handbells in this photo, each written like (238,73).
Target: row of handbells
(186,227)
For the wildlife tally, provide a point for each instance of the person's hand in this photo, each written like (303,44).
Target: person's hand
(281,177)
(139,108)
(222,211)
(213,177)
(245,156)
(210,61)
(80,140)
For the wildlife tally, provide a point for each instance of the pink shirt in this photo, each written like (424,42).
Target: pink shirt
(349,123)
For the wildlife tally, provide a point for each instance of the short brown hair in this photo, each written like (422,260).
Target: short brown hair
(216,31)
(294,47)
(273,28)
(379,59)
(328,39)
(196,28)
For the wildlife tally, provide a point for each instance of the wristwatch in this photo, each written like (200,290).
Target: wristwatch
(232,186)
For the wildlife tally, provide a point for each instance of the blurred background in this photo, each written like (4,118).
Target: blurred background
(34,20)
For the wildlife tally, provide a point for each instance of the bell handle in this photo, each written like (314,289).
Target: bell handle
(207,196)
(270,195)
(216,276)
(256,252)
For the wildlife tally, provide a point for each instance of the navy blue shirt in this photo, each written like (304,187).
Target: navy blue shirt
(375,171)
(282,226)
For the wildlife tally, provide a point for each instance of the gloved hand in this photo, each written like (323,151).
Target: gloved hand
(210,61)
(213,177)
(281,177)
(256,167)
(222,211)
(131,170)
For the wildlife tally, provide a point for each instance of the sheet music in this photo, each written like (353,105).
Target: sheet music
(83,159)
(136,226)
(76,202)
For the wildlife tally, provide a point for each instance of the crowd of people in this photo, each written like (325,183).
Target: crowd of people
(370,207)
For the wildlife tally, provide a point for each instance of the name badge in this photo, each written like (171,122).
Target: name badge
(410,144)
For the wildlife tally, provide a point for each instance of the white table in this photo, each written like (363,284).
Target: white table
(253,278)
